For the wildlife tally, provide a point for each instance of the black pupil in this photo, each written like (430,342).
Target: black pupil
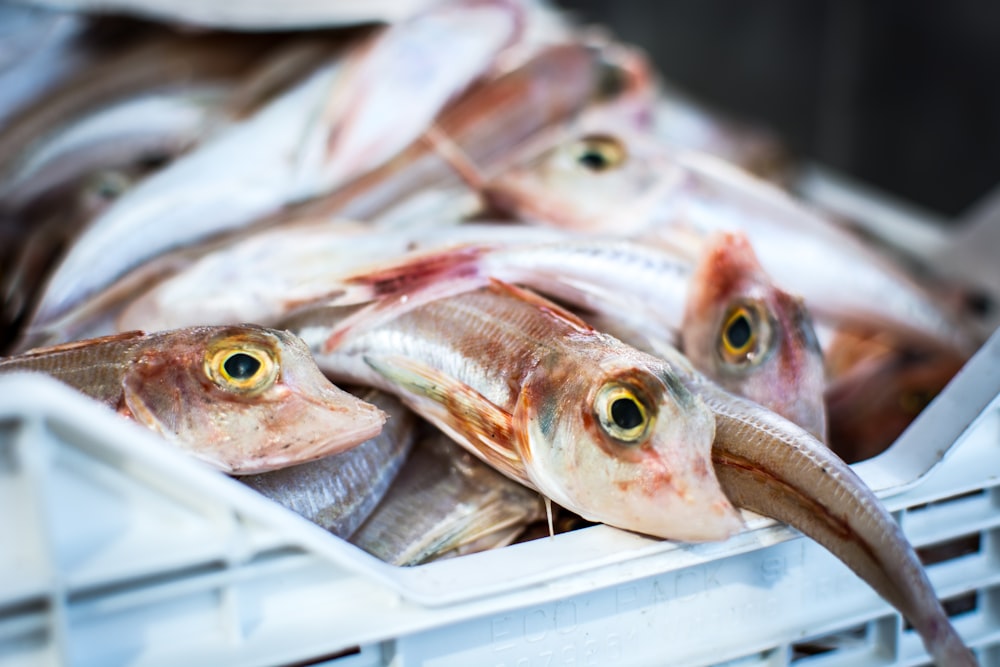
(241,366)
(738,332)
(594,159)
(626,414)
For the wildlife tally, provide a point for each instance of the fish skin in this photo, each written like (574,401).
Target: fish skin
(162,380)
(276,157)
(875,392)
(442,500)
(784,369)
(339,492)
(517,381)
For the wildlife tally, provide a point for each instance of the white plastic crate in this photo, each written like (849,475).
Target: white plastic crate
(117,550)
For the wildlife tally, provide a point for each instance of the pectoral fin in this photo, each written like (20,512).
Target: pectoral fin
(464,414)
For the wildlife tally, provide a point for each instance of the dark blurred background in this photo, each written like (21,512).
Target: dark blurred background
(902,95)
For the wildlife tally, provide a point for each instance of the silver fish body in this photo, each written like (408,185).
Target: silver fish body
(443,501)
(340,491)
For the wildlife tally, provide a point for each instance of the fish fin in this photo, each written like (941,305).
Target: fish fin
(464,414)
(551,309)
(79,344)
(456,158)
(392,306)
(461,262)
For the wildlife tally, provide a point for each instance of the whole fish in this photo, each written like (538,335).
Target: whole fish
(243,399)
(340,491)
(752,338)
(305,142)
(445,500)
(596,426)
(614,179)
(770,466)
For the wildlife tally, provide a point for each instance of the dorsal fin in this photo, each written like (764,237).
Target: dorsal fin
(78,344)
(551,309)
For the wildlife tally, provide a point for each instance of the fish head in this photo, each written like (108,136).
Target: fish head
(622,442)
(598,176)
(751,337)
(246,400)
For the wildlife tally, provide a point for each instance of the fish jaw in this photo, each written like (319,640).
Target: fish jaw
(665,486)
(782,367)
(300,418)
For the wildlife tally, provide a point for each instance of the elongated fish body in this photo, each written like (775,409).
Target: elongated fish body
(482,125)
(294,148)
(445,500)
(589,422)
(752,338)
(242,398)
(614,179)
(338,492)
(771,466)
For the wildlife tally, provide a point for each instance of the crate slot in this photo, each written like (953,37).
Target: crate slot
(848,638)
(942,552)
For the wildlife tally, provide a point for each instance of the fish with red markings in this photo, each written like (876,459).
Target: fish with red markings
(598,427)
(751,337)
(241,398)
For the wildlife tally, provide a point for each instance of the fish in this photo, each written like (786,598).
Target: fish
(307,141)
(877,392)
(445,501)
(476,133)
(596,426)
(751,337)
(242,399)
(67,158)
(340,491)
(768,465)
(613,178)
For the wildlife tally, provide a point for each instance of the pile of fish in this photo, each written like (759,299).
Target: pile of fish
(548,289)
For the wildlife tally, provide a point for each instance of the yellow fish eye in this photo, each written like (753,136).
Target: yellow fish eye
(242,368)
(621,413)
(599,153)
(743,335)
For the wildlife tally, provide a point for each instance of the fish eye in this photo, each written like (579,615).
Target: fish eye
(108,185)
(240,367)
(745,334)
(621,413)
(599,153)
